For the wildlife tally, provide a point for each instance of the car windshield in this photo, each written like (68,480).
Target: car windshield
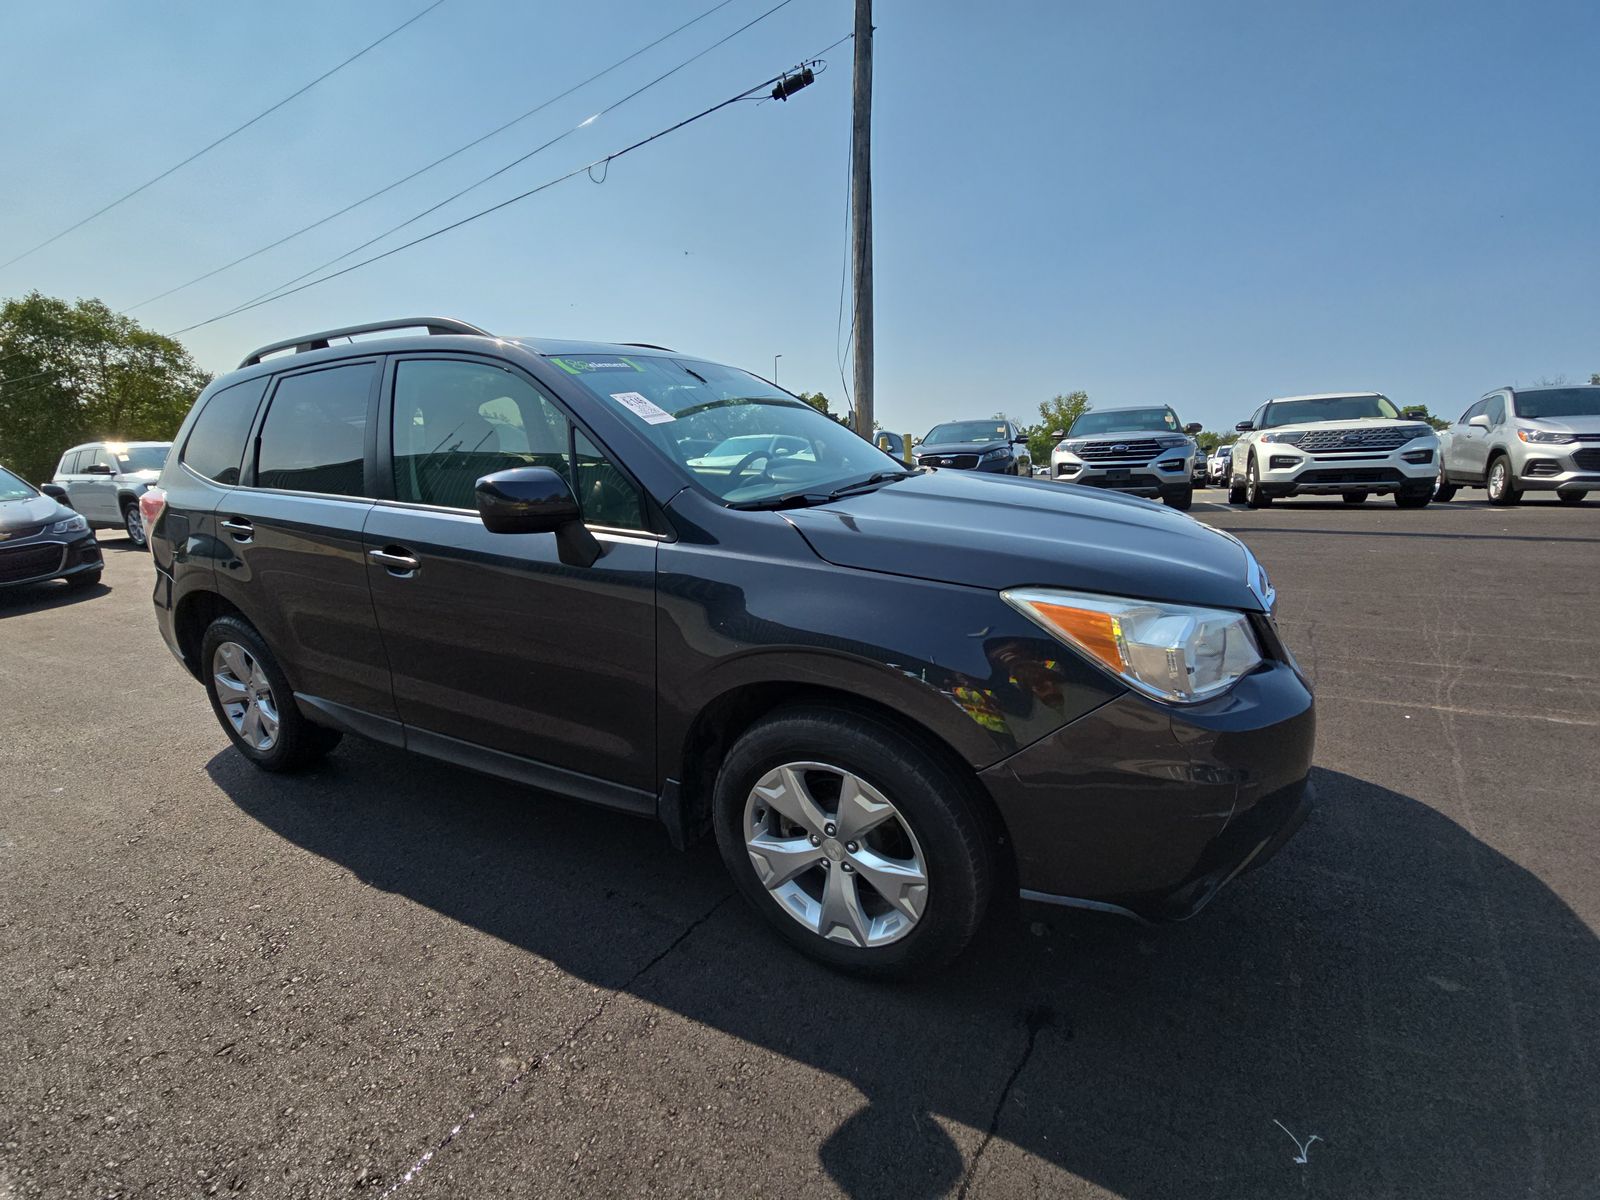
(13,488)
(966,431)
(1328,408)
(1558,402)
(1156,420)
(740,438)
(140,458)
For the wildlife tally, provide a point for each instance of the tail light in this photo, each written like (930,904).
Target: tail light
(151,505)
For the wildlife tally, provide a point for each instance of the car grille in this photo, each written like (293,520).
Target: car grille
(959,462)
(1587,459)
(30,562)
(1354,439)
(1120,454)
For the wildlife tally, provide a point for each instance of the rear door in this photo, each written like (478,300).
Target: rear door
(494,642)
(292,558)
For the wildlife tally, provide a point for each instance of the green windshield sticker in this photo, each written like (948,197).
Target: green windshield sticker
(582,366)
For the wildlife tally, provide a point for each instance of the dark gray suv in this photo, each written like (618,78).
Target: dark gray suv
(540,560)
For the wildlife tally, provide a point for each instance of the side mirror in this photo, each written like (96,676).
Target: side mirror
(98,469)
(1481,421)
(1414,414)
(1244,426)
(55,491)
(1193,427)
(1019,441)
(537,500)
(1057,434)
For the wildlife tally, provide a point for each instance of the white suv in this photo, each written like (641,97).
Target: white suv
(1349,443)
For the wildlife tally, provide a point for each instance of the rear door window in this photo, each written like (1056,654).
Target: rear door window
(315,434)
(216,444)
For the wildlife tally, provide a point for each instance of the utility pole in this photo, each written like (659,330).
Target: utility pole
(861,214)
(775,359)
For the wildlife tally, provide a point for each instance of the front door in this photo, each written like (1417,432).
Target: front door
(94,491)
(492,640)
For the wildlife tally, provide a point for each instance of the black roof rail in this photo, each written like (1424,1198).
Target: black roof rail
(648,346)
(436,326)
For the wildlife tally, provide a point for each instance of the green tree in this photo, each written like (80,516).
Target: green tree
(1595,378)
(820,402)
(79,372)
(1055,415)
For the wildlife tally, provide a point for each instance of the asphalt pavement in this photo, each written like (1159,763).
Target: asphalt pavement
(388,976)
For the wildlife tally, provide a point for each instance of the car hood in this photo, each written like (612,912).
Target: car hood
(961,447)
(994,531)
(34,510)
(1564,424)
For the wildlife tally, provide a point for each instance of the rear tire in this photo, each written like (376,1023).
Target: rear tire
(1353,497)
(1180,500)
(1254,496)
(255,682)
(1501,489)
(802,760)
(1571,497)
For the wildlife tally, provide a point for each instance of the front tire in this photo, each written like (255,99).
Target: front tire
(1235,490)
(1571,497)
(133,523)
(1418,499)
(253,700)
(1254,495)
(1181,499)
(853,841)
(1501,489)
(1354,497)
(85,579)
(1443,491)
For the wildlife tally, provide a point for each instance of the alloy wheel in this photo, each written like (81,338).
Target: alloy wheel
(835,854)
(245,695)
(1497,479)
(134,524)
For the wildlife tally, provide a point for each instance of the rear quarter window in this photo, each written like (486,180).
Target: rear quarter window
(216,444)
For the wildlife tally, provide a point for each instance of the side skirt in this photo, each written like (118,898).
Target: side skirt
(497,763)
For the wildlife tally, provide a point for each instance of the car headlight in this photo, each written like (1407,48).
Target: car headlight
(73,524)
(1073,447)
(1287,439)
(996,454)
(1543,436)
(1172,652)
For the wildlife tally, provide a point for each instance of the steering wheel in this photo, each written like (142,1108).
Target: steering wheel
(745,462)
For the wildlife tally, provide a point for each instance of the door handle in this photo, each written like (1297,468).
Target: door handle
(241,531)
(399,564)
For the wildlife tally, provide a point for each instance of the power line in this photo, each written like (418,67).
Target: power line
(462,149)
(519,160)
(231,133)
(605,161)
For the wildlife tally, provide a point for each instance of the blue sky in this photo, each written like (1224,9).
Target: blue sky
(1204,204)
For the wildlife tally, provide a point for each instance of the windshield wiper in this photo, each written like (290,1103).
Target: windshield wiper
(806,499)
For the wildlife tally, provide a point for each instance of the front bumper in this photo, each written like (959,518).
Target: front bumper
(1563,468)
(1287,470)
(1150,809)
(35,559)
(1154,478)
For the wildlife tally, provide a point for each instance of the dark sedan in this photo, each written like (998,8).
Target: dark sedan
(41,538)
(995,446)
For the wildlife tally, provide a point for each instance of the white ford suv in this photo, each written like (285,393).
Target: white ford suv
(1349,443)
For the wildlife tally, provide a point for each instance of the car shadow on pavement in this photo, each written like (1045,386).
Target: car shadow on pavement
(37,597)
(1423,1005)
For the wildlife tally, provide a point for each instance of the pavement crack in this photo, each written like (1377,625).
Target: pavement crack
(575,1031)
(1040,1016)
